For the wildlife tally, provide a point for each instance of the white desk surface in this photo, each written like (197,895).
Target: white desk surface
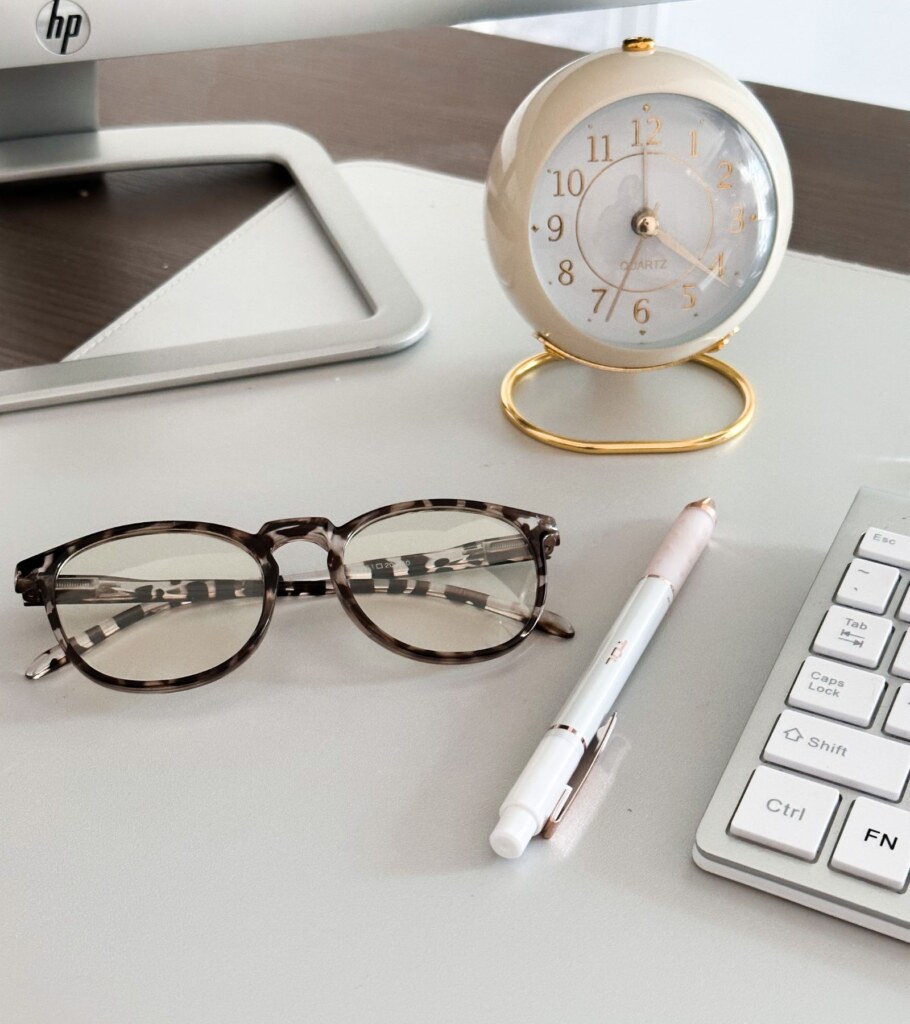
(306,839)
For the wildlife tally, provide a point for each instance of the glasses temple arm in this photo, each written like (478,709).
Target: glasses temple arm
(56,657)
(312,584)
(87,589)
(476,554)
(549,622)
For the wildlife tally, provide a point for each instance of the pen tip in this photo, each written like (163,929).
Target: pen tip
(707,505)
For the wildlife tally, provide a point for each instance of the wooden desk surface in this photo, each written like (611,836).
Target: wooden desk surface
(75,255)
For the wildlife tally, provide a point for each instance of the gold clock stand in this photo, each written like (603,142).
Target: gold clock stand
(553,353)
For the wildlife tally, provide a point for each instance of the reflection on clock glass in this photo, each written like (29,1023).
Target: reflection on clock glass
(652,221)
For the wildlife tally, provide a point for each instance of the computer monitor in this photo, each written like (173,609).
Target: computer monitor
(49,128)
(48,47)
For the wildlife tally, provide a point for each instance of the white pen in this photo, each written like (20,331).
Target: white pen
(550,780)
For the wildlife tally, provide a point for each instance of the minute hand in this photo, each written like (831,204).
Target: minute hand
(671,243)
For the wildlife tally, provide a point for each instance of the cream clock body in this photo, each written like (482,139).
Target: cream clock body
(638,206)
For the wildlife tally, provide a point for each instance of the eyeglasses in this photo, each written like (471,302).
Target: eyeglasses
(197,598)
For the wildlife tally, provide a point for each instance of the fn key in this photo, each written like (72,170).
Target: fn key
(875,844)
(785,812)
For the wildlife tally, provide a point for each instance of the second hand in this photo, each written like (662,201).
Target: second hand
(629,268)
(625,276)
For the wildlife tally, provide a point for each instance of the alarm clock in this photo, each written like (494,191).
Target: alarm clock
(638,206)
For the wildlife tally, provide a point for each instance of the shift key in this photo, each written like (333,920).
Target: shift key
(839,754)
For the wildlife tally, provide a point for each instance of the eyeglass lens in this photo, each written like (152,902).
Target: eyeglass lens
(443,580)
(191,600)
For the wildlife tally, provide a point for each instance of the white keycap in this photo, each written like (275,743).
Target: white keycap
(867,586)
(901,666)
(785,812)
(851,636)
(875,844)
(887,547)
(898,723)
(838,691)
(839,754)
(904,613)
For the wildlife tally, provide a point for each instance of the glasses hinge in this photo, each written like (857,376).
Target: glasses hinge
(30,589)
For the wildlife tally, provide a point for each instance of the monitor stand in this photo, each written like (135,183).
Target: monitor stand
(52,132)
(49,99)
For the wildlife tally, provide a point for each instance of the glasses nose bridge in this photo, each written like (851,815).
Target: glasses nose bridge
(313,530)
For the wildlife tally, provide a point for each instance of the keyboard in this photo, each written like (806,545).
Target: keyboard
(813,805)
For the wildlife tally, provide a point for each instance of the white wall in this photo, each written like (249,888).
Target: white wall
(841,48)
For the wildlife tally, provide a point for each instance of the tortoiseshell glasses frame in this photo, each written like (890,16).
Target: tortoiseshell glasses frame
(532,537)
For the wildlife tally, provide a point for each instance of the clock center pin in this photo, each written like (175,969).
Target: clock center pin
(645,223)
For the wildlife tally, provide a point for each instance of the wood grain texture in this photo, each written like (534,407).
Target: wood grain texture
(75,255)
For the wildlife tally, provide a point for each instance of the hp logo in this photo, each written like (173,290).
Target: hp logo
(62,27)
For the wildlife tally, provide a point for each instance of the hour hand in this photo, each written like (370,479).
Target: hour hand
(676,246)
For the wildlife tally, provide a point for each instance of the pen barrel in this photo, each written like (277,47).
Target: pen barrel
(602,682)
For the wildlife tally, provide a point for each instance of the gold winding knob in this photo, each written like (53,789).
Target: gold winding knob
(640,44)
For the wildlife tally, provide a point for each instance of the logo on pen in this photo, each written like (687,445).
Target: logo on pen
(616,653)
(62,27)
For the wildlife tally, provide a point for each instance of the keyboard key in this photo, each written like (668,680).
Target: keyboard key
(851,636)
(838,691)
(904,613)
(898,723)
(785,812)
(887,547)
(839,754)
(901,666)
(867,586)
(875,844)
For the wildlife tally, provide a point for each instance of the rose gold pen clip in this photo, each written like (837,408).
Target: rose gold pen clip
(579,776)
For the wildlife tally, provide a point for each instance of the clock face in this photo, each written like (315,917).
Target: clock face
(652,221)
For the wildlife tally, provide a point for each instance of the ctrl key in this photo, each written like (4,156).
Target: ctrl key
(785,812)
